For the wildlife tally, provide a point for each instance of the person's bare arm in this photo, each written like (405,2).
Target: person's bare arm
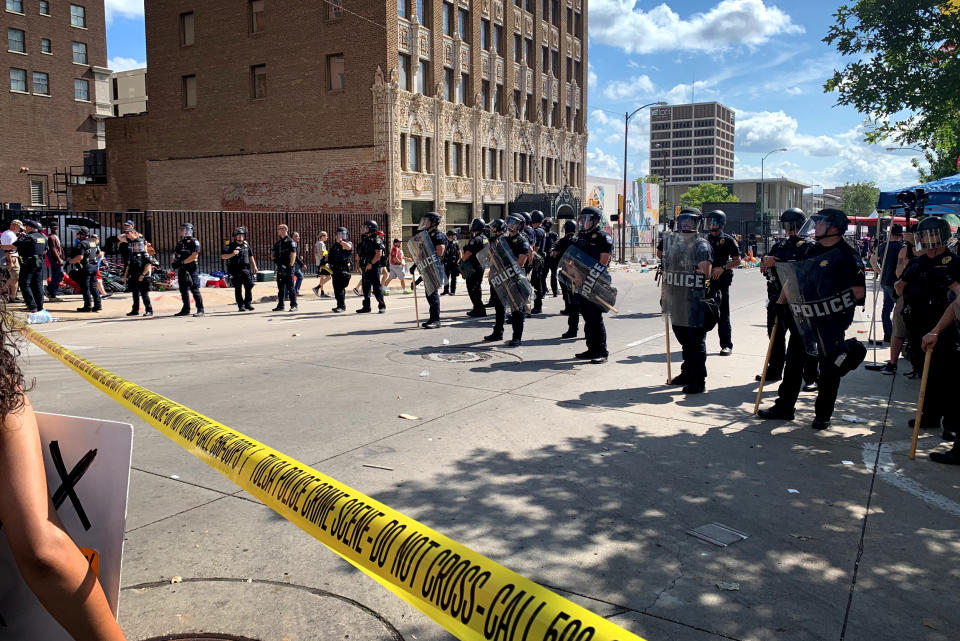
(48,559)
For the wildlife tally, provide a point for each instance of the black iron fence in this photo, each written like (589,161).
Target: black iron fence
(211,228)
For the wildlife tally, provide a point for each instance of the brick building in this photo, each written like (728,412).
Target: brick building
(353,106)
(692,142)
(57,96)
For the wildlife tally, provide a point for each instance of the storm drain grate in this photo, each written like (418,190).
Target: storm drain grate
(718,534)
(457,357)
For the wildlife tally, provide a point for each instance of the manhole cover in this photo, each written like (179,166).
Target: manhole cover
(457,357)
(200,636)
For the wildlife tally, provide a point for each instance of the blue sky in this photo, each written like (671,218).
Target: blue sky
(762,58)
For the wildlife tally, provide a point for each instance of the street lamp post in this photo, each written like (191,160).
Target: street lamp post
(763,191)
(623,208)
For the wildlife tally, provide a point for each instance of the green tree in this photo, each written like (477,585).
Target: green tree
(860,199)
(942,155)
(706,193)
(903,69)
(651,178)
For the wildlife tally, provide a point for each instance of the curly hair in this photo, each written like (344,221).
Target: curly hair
(12,386)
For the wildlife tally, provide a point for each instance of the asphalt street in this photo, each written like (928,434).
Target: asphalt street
(584,478)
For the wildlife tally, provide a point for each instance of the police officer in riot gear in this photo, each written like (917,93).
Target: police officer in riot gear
(138,272)
(690,334)
(31,245)
(242,267)
(569,307)
(185,256)
(848,268)
(369,253)
(340,259)
(474,246)
(517,242)
(726,258)
(549,264)
(597,244)
(790,247)
(451,264)
(431,223)
(284,258)
(537,273)
(925,284)
(83,259)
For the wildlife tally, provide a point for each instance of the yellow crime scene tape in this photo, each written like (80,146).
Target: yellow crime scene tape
(466,593)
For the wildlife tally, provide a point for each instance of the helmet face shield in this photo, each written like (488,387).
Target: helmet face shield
(587,222)
(513,224)
(714,224)
(688,223)
(928,239)
(789,226)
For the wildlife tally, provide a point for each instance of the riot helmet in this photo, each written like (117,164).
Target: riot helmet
(497,226)
(590,218)
(430,220)
(342,233)
(569,227)
(240,231)
(372,227)
(83,231)
(716,220)
(138,245)
(477,225)
(514,223)
(688,220)
(536,217)
(830,218)
(932,232)
(548,224)
(451,234)
(792,220)
(186,229)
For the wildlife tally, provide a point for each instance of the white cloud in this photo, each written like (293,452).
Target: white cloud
(608,129)
(728,24)
(602,164)
(123,9)
(632,89)
(765,130)
(591,77)
(699,91)
(120,63)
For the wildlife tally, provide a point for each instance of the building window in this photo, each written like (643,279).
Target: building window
(423,78)
(447,19)
(516,103)
(498,39)
(544,112)
(403,9)
(555,12)
(403,71)
(570,20)
(37,193)
(335,67)
(18,80)
(258,81)
(464,90)
(546,59)
(528,49)
(44,8)
(463,24)
(498,99)
(454,159)
(423,16)
(555,116)
(448,85)
(257,23)
(16,41)
(189,89)
(81,90)
(334,9)
(577,72)
(45,46)
(577,24)
(528,5)
(413,154)
(78,16)
(531,113)
(491,165)
(485,35)
(80,53)
(485,94)
(555,63)
(186,29)
(41,83)
(569,69)
(15,5)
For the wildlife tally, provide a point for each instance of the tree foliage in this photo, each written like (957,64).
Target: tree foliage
(706,193)
(652,179)
(943,154)
(860,199)
(904,60)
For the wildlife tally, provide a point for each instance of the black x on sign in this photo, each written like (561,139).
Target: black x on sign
(68,482)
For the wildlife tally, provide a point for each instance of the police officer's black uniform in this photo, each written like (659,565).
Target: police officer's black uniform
(433,300)
(569,306)
(519,246)
(474,246)
(593,242)
(32,246)
(340,261)
(370,244)
(538,274)
(724,247)
(138,277)
(241,273)
(926,295)
(451,264)
(848,269)
(283,249)
(549,263)
(188,274)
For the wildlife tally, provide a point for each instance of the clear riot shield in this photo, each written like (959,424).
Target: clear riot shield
(821,301)
(428,263)
(508,279)
(684,287)
(585,276)
(468,267)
